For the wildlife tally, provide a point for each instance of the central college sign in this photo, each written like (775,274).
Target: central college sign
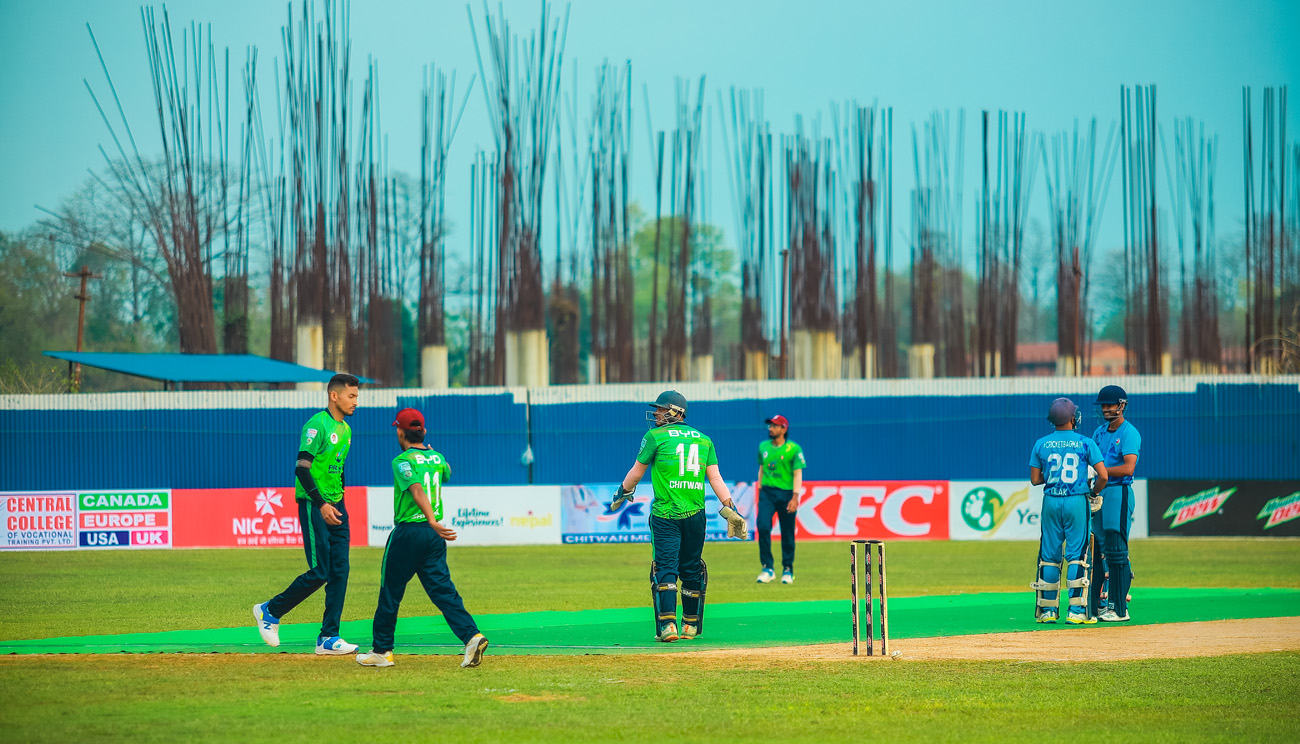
(34,521)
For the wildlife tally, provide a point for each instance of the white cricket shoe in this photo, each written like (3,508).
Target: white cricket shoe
(765,576)
(334,646)
(375,659)
(667,633)
(1111,616)
(268,626)
(474,651)
(787,576)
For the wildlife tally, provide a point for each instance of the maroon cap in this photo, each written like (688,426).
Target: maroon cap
(781,420)
(409,419)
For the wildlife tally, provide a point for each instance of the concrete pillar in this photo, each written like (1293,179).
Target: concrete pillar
(702,368)
(309,351)
(433,367)
(528,359)
(756,365)
(817,355)
(920,361)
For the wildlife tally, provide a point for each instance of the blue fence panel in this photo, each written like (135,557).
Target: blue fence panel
(931,430)
(973,431)
(247,447)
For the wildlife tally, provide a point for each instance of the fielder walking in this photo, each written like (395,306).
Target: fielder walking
(319,478)
(1059,463)
(1120,444)
(417,546)
(683,459)
(779,484)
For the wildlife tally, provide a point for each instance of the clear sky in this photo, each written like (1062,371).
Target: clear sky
(1054,61)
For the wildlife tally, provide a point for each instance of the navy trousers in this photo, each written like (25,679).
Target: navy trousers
(326,547)
(774,501)
(414,549)
(678,546)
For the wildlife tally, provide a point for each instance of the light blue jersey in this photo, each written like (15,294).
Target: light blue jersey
(1064,457)
(1114,445)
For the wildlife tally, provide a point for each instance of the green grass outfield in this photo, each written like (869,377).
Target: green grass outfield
(635,697)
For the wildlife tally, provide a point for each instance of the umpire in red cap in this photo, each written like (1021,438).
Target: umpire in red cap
(779,484)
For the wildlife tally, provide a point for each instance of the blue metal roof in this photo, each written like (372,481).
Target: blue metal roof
(198,367)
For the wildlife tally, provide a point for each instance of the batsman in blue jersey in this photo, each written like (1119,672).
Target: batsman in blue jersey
(1120,443)
(1059,463)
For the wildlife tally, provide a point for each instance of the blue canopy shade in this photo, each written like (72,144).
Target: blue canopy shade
(198,367)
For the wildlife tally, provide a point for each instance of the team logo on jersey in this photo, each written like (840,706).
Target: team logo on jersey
(334,437)
(1200,504)
(311,434)
(1281,509)
(405,469)
(986,510)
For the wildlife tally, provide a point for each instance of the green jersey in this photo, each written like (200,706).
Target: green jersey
(425,467)
(779,464)
(679,457)
(328,442)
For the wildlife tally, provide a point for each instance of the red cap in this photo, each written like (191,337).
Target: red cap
(781,420)
(409,419)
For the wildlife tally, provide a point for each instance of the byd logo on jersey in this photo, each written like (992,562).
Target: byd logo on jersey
(874,510)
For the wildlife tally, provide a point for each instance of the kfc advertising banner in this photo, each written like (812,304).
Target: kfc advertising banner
(252,517)
(872,510)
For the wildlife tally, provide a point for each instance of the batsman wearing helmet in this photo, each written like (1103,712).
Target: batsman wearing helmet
(1059,463)
(1120,443)
(683,459)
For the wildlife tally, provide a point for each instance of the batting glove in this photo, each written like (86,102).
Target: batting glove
(1094,503)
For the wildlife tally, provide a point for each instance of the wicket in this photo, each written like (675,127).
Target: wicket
(884,599)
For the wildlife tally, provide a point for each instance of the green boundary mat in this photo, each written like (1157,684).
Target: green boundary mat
(738,625)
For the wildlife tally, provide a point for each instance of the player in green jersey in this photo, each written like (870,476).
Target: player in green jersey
(683,460)
(779,485)
(417,546)
(323,451)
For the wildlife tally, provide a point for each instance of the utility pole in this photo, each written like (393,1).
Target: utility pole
(785,325)
(74,368)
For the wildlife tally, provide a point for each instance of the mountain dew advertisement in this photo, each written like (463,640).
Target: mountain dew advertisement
(1010,510)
